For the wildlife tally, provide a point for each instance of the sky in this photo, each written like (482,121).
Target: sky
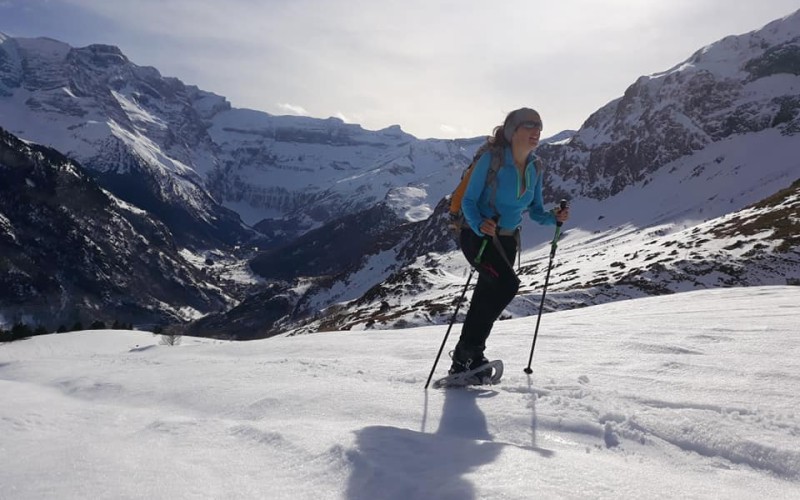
(444,69)
(691,395)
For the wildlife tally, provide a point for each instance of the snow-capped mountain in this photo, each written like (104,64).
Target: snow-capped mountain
(284,165)
(737,86)
(71,251)
(180,152)
(143,136)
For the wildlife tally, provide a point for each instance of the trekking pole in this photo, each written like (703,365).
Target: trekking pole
(447,334)
(553,246)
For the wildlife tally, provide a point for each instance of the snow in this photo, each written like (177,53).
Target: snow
(690,395)
(123,204)
(375,269)
(225,266)
(409,203)
(136,113)
(7,227)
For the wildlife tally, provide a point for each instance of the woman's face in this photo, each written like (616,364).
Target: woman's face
(528,134)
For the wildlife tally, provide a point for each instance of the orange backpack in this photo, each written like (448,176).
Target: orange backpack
(457,221)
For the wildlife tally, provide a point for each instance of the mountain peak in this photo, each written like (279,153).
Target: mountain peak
(394,131)
(728,56)
(106,57)
(783,28)
(41,46)
(101,48)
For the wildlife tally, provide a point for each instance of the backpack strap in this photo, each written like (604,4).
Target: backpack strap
(497,161)
(491,175)
(537,164)
(491,183)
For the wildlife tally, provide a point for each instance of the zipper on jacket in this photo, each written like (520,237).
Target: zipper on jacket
(524,178)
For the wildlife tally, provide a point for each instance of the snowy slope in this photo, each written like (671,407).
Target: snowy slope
(687,396)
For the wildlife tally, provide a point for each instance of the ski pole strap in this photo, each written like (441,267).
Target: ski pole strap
(502,252)
(498,246)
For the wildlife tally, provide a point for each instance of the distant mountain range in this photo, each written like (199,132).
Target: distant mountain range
(688,180)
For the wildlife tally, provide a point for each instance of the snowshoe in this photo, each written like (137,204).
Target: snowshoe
(488,373)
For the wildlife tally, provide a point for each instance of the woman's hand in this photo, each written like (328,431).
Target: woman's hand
(562,214)
(488,227)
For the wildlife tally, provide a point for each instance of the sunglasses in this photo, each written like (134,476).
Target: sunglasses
(532,124)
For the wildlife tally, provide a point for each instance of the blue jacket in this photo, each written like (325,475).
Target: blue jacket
(513,196)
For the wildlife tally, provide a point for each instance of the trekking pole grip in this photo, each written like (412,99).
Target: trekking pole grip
(484,242)
(561,206)
(481,250)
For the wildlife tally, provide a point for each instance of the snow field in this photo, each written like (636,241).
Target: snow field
(684,396)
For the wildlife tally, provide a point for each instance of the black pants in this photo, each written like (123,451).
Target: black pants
(497,286)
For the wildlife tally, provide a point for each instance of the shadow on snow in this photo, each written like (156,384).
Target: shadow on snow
(393,463)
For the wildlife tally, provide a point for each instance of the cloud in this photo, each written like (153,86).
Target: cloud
(292,109)
(454,132)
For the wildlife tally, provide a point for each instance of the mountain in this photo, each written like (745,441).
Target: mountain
(738,86)
(291,175)
(141,135)
(70,251)
(173,150)
(349,258)
(182,153)
(691,395)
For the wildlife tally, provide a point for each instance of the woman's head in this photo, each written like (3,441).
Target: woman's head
(524,123)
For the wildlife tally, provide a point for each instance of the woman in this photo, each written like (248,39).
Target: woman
(493,214)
